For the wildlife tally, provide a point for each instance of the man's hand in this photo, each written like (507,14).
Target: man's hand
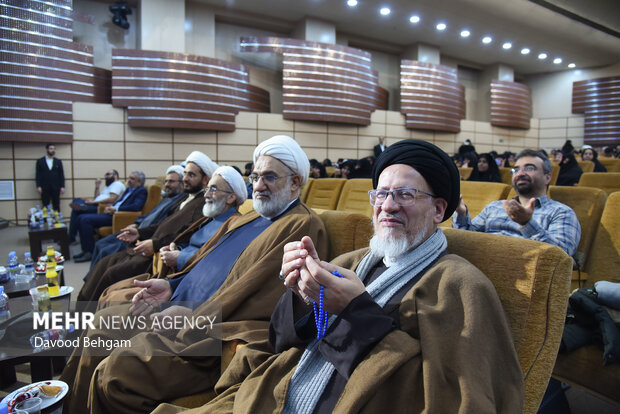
(461,209)
(153,293)
(62,190)
(97,182)
(89,201)
(338,292)
(39,190)
(518,213)
(293,260)
(169,255)
(145,248)
(166,316)
(129,234)
(109,210)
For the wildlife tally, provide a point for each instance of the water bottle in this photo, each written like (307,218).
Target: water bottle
(39,339)
(4,305)
(28,265)
(13,265)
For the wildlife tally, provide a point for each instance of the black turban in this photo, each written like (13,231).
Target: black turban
(432,163)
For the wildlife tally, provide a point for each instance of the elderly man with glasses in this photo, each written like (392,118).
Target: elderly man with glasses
(531,214)
(402,326)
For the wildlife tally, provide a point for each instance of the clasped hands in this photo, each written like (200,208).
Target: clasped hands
(305,273)
(169,254)
(130,234)
(147,302)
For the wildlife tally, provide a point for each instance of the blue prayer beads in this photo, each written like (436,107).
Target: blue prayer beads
(320,314)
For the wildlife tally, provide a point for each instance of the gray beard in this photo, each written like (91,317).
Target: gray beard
(213,208)
(277,202)
(392,246)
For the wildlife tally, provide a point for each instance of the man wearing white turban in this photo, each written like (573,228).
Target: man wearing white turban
(138,258)
(235,271)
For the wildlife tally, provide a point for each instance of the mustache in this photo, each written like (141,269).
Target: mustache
(385,215)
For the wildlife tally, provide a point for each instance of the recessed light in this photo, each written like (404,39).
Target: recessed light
(525,51)
(465,33)
(385,11)
(571,65)
(441,26)
(507,45)
(414,19)
(351,3)
(542,56)
(487,39)
(557,61)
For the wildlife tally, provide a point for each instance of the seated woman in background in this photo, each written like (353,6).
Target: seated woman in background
(589,154)
(469,160)
(570,172)
(485,170)
(317,170)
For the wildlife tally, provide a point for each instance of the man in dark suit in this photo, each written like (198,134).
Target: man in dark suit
(50,178)
(133,199)
(380,147)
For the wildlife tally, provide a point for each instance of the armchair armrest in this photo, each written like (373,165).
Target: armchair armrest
(123,219)
(101,207)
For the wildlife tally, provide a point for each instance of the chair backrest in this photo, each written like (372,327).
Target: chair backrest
(608,182)
(555,172)
(247,206)
(465,172)
(324,193)
(612,164)
(303,196)
(586,166)
(588,204)
(347,231)
(152,199)
(329,171)
(354,196)
(506,175)
(532,280)
(604,260)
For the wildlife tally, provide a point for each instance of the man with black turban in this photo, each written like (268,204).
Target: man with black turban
(402,326)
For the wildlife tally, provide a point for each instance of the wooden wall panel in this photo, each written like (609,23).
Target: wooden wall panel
(431,97)
(176,90)
(511,104)
(43,71)
(599,100)
(323,82)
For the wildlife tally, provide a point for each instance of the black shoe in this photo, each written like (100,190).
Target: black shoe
(77,256)
(85,257)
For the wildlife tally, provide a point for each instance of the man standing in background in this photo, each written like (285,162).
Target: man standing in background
(50,178)
(380,147)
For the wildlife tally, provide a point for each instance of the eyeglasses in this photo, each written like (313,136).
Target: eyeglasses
(267,178)
(214,189)
(527,168)
(403,196)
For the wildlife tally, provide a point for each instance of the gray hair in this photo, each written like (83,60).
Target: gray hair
(141,176)
(547,169)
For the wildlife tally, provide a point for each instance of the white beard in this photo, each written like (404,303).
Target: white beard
(213,208)
(277,202)
(394,244)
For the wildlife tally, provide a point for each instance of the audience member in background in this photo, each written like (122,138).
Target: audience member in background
(236,271)
(411,328)
(570,171)
(344,170)
(327,162)
(137,260)
(112,191)
(469,160)
(568,147)
(224,194)
(362,169)
(173,190)
(133,199)
(589,154)
(50,178)
(531,214)
(248,169)
(371,159)
(485,170)
(466,147)
(317,170)
(608,152)
(380,147)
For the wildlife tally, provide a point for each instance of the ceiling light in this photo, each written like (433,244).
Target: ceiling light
(441,26)
(506,45)
(542,56)
(465,33)
(385,11)
(414,19)
(571,65)
(525,51)
(351,3)
(557,61)
(487,39)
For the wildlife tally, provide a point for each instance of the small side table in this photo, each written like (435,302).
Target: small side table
(58,234)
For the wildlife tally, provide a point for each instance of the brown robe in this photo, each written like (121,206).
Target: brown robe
(123,265)
(453,353)
(247,298)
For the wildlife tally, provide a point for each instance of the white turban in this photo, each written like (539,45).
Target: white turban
(201,160)
(287,150)
(235,181)
(175,169)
